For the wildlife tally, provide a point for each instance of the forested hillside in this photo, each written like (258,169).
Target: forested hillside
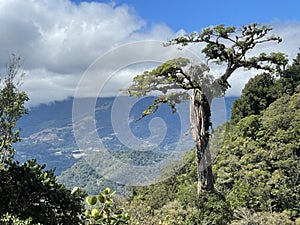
(257,170)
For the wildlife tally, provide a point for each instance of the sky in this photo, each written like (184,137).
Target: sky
(61,41)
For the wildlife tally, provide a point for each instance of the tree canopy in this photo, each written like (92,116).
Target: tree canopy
(229,46)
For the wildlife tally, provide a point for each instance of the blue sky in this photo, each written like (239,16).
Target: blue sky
(193,15)
(60,39)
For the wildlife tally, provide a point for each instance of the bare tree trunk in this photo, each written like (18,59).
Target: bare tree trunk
(200,122)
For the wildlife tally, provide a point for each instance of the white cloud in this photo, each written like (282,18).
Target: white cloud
(60,35)
(46,86)
(58,40)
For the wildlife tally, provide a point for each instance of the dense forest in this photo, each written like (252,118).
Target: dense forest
(256,169)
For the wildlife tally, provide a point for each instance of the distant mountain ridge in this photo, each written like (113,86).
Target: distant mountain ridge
(47,132)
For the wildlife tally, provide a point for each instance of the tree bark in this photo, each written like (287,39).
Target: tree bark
(200,123)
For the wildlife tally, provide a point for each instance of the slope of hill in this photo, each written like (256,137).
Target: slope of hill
(256,175)
(47,131)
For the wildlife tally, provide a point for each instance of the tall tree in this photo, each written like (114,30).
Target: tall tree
(12,107)
(178,80)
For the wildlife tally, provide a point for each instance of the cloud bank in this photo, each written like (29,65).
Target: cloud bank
(59,40)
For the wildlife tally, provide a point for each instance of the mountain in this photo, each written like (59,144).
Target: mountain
(47,131)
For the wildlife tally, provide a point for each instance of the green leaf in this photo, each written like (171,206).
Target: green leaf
(95,214)
(91,200)
(101,198)
(106,191)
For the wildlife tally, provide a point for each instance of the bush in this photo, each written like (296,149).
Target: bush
(103,210)
(29,191)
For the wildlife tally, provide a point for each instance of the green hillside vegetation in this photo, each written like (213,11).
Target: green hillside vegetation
(81,174)
(264,89)
(256,169)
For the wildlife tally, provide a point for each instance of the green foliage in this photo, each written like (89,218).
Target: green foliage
(264,89)
(29,191)
(292,75)
(81,174)
(170,189)
(257,95)
(161,78)
(213,209)
(246,217)
(225,45)
(9,219)
(161,203)
(258,163)
(103,210)
(11,109)
(175,200)
(172,80)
